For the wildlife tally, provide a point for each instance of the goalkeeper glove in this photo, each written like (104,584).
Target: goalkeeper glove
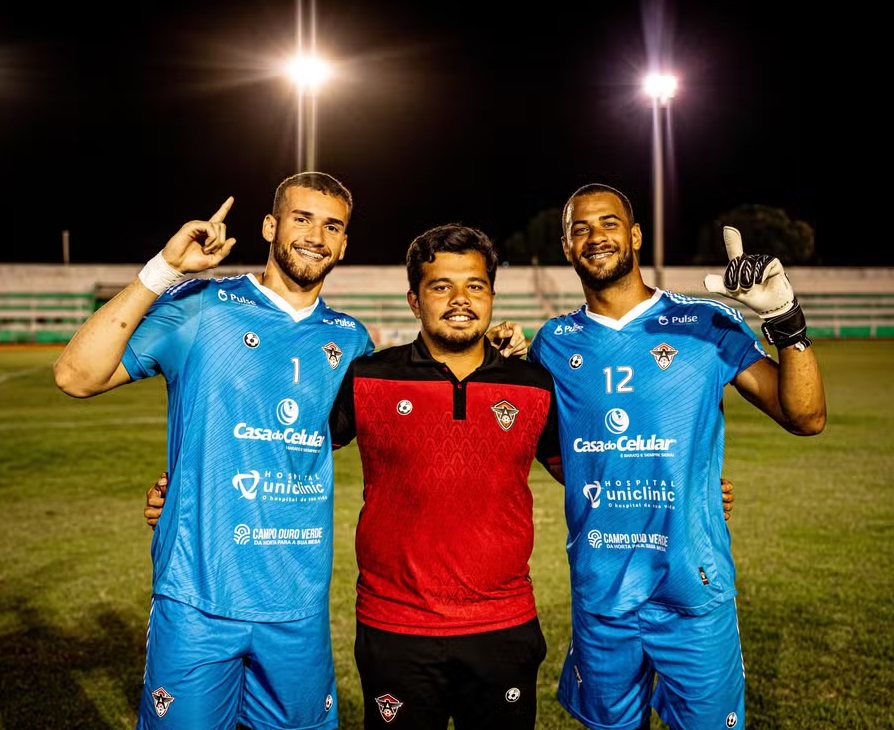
(759,281)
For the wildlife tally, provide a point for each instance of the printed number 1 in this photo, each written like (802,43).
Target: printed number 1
(296,375)
(625,375)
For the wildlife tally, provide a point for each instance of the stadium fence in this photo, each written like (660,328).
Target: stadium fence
(47,304)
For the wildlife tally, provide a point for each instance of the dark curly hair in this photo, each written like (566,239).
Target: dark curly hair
(449,238)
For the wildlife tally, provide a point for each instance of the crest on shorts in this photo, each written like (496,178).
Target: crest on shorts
(505,413)
(162,701)
(388,706)
(664,355)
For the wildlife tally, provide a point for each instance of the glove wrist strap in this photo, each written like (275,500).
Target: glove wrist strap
(787,329)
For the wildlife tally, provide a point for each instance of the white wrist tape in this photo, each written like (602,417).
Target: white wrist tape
(157,275)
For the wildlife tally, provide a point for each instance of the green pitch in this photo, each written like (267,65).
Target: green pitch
(813,536)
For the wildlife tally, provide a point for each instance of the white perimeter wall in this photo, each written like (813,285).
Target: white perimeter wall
(393,280)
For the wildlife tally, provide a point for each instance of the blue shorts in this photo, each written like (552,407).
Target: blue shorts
(206,672)
(613,661)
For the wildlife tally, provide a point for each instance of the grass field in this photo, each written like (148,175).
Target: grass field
(813,536)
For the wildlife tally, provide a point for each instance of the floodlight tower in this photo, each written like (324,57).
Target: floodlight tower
(660,87)
(308,73)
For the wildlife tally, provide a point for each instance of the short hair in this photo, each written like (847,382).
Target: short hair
(319,181)
(449,238)
(591,189)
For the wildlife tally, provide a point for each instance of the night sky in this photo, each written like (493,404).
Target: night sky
(121,127)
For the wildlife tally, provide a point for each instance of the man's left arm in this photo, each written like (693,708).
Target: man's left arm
(791,391)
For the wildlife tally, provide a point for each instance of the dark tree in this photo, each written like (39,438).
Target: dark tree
(764,230)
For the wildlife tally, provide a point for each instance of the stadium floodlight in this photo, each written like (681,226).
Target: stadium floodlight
(308,73)
(660,88)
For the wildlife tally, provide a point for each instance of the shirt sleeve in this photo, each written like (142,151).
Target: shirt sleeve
(342,421)
(162,339)
(548,447)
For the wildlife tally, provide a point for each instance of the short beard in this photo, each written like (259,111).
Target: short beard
(456,341)
(596,280)
(304,276)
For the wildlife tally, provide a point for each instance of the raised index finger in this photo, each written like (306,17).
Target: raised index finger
(733,240)
(222,211)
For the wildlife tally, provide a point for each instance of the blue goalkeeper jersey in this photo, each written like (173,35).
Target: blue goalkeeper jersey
(246,531)
(642,438)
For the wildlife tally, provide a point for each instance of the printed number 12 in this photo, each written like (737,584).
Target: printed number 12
(625,375)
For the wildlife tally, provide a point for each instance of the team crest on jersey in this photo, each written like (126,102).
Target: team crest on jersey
(251,339)
(333,354)
(162,701)
(664,355)
(388,706)
(505,413)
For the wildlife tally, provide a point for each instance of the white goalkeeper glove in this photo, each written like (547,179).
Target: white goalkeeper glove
(760,282)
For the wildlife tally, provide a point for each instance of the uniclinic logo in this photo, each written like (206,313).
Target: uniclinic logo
(247,484)
(593,492)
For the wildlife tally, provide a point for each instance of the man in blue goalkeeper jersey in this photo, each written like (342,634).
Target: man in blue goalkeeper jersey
(242,559)
(640,375)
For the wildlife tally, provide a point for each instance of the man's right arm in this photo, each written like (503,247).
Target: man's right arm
(91,362)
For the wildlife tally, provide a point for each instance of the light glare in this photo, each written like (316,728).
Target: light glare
(308,72)
(660,86)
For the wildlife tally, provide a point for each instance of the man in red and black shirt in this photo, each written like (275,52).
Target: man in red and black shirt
(448,430)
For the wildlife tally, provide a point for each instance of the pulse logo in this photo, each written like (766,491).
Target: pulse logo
(230,297)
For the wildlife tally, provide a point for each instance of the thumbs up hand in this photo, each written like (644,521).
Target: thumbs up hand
(759,282)
(756,280)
